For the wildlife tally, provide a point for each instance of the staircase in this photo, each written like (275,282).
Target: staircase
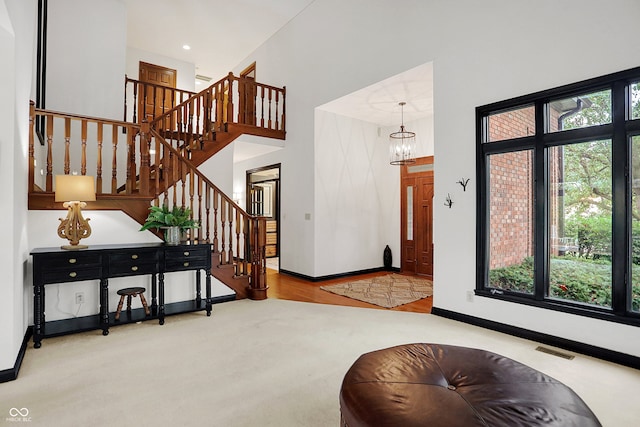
(154,161)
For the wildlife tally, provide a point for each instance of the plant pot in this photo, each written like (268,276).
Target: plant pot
(172,235)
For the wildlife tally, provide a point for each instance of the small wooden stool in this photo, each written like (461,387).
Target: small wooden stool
(131,292)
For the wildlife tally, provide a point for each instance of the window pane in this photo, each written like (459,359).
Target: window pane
(580,222)
(635,100)
(580,111)
(511,221)
(511,124)
(635,224)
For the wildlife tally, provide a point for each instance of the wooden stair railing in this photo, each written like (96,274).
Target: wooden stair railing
(149,95)
(239,239)
(208,121)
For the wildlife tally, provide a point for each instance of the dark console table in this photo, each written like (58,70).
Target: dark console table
(102,262)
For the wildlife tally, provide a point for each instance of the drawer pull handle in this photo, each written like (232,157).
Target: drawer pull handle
(186,264)
(134,256)
(72,260)
(73,274)
(186,253)
(134,268)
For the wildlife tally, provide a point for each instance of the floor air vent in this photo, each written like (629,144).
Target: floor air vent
(555,353)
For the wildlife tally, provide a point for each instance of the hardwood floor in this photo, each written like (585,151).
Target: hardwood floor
(283,286)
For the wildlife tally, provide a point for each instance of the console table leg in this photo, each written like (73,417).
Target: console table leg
(208,291)
(104,306)
(161,298)
(38,315)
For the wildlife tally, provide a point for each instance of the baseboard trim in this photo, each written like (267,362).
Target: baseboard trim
(574,346)
(336,276)
(12,374)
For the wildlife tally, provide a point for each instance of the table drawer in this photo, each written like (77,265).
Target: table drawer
(71,275)
(131,269)
(133,256)
(74,260)
(185,264)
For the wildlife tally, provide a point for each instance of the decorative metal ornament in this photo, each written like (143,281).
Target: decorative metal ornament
(402,144)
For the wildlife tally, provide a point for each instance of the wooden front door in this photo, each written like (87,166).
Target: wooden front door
(417,217)
(156,98)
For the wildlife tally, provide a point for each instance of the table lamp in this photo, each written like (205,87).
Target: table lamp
(74,191)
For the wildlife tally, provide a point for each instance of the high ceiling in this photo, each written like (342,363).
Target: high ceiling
(221,33)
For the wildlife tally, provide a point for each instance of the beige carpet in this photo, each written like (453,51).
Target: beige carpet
(271,363)
(387,291)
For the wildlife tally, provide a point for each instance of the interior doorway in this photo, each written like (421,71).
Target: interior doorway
(154,102)
(416,181)
(263,199)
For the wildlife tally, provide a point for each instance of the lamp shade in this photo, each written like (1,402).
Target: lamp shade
(80,188)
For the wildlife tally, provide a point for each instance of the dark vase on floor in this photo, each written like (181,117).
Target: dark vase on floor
(387,258)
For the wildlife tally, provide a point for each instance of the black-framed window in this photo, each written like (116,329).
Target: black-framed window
(559,198)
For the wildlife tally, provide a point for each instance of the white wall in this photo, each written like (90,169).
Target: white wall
(482,52)
(17,26)
(86,45)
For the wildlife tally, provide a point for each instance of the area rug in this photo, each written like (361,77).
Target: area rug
(386,291)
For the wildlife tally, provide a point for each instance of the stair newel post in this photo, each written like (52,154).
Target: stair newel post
(145,158)
(49,178)
(230,113)
(32,171)
(258,283)
(247,245)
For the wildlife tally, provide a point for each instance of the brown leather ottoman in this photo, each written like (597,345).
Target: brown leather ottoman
(443,385)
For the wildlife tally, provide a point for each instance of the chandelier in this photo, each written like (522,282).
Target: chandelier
(402,144)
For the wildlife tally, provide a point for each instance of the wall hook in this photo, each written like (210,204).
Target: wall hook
(464,183)
(448,201)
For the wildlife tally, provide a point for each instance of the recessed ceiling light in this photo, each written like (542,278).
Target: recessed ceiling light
(186,47)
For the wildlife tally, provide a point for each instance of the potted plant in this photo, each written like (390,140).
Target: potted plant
(173,221)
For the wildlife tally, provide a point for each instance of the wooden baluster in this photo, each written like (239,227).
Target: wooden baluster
(238,230)
(67,145)
(135,102)
(114,159)
(276,112)
(262,106)
(200,208)
(145,159)
(32,158)
(223,218)
(198,125)
(230,217)
(270,106)
(49,178)
(192,178)
(207,209)
(183,179)
(99,160)
(215,220)
(160,170)
(83,160)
